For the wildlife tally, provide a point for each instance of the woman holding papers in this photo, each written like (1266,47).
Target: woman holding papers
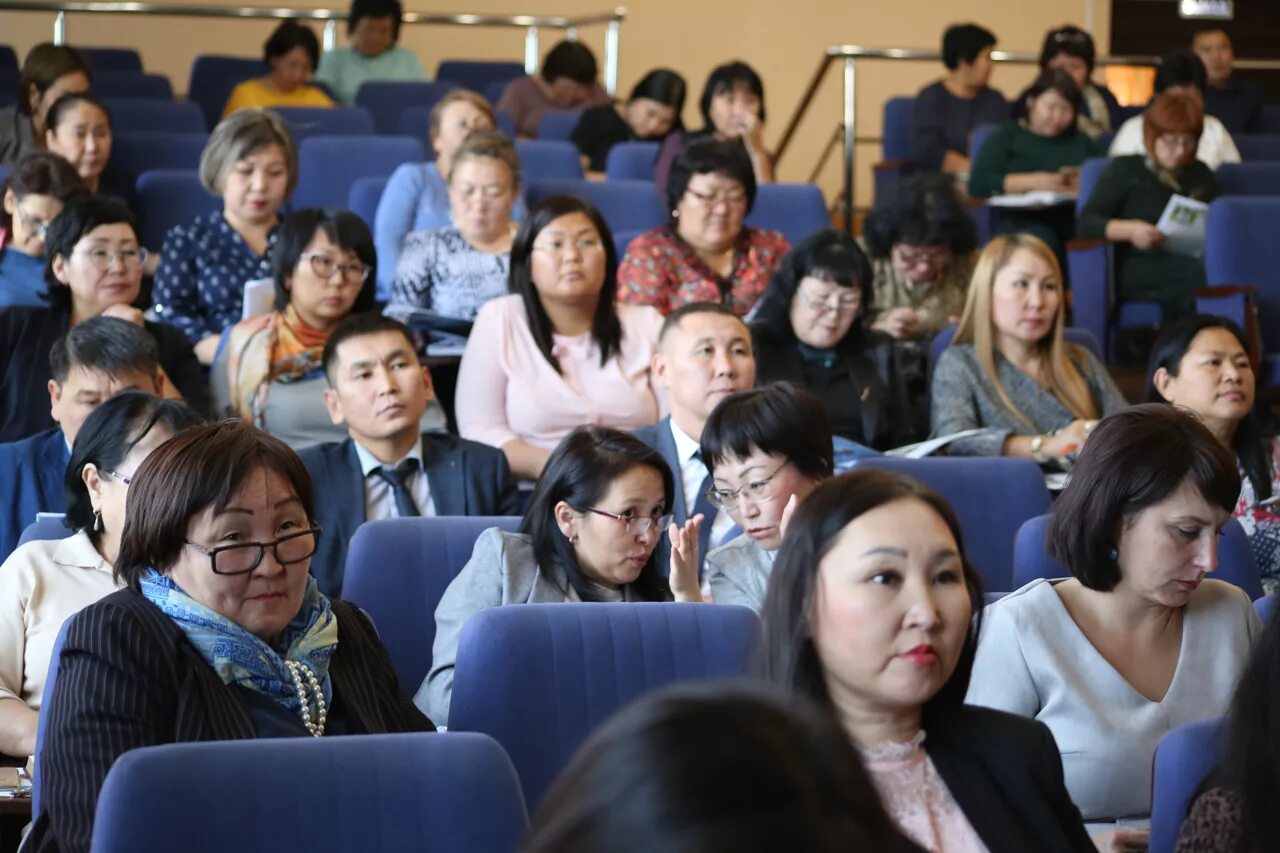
(1132,195)
(269,371)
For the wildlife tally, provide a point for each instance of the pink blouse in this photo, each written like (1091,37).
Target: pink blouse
(507,390)
(917,799)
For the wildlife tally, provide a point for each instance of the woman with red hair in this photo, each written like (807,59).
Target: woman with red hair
(1132,193)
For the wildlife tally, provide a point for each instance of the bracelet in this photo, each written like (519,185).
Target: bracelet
(1037,443)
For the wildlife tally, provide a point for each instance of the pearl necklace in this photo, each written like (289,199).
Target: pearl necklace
(297,671)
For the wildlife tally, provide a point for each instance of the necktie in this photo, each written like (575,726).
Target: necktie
(398,479)
(702,504)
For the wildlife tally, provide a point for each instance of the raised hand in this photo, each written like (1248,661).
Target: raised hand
(684,559)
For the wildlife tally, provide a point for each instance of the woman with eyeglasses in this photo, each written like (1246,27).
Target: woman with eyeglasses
(33,196)
(219,632)
(589,534)
(764,448)
(45,581)
(94,269)
(812,328)
(705,253)
(558,352)
(270,372)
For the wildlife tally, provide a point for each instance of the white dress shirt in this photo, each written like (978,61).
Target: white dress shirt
(379,501)
(1216,145)
(692,472)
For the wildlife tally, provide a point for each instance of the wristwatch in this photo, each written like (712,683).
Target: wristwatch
(1037,442)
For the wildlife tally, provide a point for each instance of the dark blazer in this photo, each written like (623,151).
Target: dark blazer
(1005,773)
(27,335)
(660,439)
(32,473)
(128,678)
(466,478)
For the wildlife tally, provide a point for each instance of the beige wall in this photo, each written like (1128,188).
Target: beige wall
(783,40)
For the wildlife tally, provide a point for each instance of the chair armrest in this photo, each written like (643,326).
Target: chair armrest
(1086,245)
(892,165)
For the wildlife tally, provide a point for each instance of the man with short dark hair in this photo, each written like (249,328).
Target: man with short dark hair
(1236,102)
(93,361)
(946,112)
(704,355)
(387,467)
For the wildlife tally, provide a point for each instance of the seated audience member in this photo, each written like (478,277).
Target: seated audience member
(766,449)
(1180,72)
(1233,100)
(811,329)
(219,633)
(1009,369)
(1234,810)
(715,768)
(251,162)
(705,253)
(388,467)
(946,112)
(1201,364)
(291,55)
(49,71)
(1043,152)
(46,581)
(33,197)
(1137,641)
(89,363)
(95,268)
(452,271)
(1131,196)
(270,372)
(1071,49)
(922,243)
(873,612)
(589,534)
(704,355)
(79,130)
(417,196)
(558,352)
(732,107)
(652,111)
(566,81)
(373,26)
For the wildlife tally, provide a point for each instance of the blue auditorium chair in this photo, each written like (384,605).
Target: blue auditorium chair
(42,721)
(398,569)
(170,197)
(1074,334)
(132,84)
(1266,607)
(539,678)
(213,78)
(326,121)
(111,59)
(1240,245)
(895,144)
(991,496)
(625,205)
(558,124)
(1249,178)
(386,99)
(1236,563)
(493,91)
(1269,123)
(1184,759)
(9,87)
(135,153)
(548,160)
(426,792)
(797,210)
(416,122)
(364,197)
(1258,146)
(49,525)
(141,115)
(631,161)
(329,165)
(478,75)
(622,239)
(8,59)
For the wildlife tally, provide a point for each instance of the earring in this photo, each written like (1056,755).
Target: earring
(675,214)
(97,521)
(1114,555)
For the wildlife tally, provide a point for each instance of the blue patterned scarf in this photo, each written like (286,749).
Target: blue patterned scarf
(239,657)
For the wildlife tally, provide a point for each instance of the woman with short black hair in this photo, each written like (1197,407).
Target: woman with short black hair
(705,253)
(373,30)
(567,80)
(33,197)
(650,113)
(291,55)
(1137,641)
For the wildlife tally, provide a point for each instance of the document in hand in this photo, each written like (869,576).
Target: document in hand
(1183,225)
(1033,199)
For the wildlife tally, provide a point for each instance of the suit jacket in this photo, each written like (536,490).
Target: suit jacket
(1005,773)
(465,477)
(660,439)
(128,677)
(32,474)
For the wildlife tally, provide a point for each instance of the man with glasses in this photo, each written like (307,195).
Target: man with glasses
(93,361)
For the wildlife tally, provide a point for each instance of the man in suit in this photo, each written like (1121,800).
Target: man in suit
(387,468)
(704,355)
(91,362)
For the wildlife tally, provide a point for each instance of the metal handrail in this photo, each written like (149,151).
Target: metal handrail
(847,129)
(529,23)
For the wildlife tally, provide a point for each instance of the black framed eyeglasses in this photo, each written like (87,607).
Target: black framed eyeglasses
(244,557)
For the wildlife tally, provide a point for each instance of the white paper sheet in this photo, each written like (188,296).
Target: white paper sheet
(1183,225)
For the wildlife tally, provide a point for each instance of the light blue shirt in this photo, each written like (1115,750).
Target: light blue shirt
(345,70)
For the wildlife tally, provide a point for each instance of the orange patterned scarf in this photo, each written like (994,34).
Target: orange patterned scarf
(276,347)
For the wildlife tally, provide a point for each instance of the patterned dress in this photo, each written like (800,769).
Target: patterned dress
(440,272)
(1262,523)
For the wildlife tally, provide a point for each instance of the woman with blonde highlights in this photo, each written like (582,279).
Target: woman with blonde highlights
(1010,371)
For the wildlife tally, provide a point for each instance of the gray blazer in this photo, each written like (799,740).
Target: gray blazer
(502,570)
(963,398)
(16,135)
(739,572)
